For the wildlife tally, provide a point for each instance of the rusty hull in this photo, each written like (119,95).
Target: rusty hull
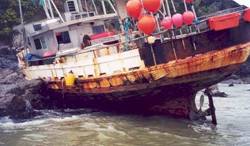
(168,88)
(160,75)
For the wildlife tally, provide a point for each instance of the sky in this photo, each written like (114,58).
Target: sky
(243,2)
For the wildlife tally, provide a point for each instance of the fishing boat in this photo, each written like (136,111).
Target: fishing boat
(137,55)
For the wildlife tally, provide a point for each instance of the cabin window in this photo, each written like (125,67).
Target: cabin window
(98,29)
(63,37)
(40,43)
(71,6)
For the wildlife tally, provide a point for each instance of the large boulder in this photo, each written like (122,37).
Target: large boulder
(16,94)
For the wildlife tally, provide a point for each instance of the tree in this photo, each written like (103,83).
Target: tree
(9,16)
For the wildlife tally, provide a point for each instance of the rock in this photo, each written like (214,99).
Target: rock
(6,50)
(16,93)
(19,107)
(220,94)
(233,81)
(4,103)
(244,71)
(15,99)
(231,85)
(246,80)
(216,92)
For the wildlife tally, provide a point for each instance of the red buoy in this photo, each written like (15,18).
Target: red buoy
(188,17)
(147,24)
(177,20)
(134,8)
(246,15)
(188,1)
(167,23)
(152,5)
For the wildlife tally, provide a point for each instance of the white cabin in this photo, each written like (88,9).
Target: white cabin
(79,19)
(61,40)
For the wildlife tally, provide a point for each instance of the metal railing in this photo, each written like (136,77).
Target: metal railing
(96,47)
(231,10)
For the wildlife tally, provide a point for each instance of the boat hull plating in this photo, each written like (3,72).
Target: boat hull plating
(163,89)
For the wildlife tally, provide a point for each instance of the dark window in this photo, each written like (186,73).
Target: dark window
(38,44)
(71,6)
(63,37)
(98,29)
(37,27)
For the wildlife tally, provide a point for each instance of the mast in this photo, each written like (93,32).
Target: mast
(22,24)
(51,10)
(57,11)
(119,15)
(45,7)
(21,11)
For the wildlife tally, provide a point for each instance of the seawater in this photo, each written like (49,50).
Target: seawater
(90,128)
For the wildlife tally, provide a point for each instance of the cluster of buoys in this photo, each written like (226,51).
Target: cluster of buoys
(146,23)
(178,20)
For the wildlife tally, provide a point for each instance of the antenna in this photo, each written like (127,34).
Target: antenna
(21,11)
(22,23)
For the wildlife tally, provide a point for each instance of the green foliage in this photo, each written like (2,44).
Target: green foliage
(204,7)
(9,16)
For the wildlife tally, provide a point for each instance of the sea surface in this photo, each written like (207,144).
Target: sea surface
(91,128)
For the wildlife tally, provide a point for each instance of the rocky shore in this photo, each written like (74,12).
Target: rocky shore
(15,91)
(20,98)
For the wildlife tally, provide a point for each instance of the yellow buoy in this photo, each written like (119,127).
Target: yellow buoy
(70,79)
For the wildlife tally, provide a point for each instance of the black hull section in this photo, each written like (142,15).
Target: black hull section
(195,44)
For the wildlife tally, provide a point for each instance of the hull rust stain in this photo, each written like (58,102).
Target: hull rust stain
(152,75)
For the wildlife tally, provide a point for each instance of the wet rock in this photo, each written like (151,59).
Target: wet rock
(244,72)
(16,93)
(234,81)
(216,92)
(220,94)
(246,80)
(16,98)
(20,107)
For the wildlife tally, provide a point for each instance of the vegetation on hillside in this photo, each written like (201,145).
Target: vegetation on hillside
(9,12)
(9,16)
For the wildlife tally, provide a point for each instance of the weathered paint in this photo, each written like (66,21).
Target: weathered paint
(150,76)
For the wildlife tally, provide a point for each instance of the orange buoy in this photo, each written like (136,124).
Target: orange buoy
(152,5)
(134,8)
(177,20)
(167,23)
(188,17)
(147,24)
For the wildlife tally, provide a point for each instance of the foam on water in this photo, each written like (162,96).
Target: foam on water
(80,128)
